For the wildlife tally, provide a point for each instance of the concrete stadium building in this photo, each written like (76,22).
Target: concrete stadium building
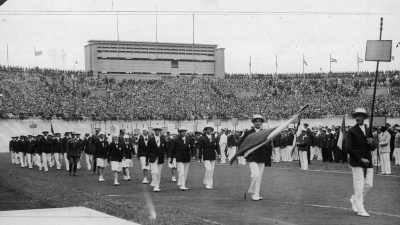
(128,59)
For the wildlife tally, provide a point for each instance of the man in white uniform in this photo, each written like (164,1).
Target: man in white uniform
(223,141)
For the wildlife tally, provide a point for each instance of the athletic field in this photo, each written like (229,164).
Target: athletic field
(290,196)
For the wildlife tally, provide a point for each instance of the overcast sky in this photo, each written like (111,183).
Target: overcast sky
(260,28)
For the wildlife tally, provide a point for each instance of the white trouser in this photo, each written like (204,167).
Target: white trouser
(208,178)
(312,152)
(89,160)
(17,158)
(283,154)
(57,158)
(303,160)
(13,160)
(375,158)
(231,152)
(78,165)
(361,185)
(223,156)
(241,160)
(396,154)
(182,172)
(277,154)
(319,153)
(66,161)
(156,174)
(39,161)
(385,162)
(44,161)
(289,153)
(21,158)
(257,170)
(29,156)
(49,159)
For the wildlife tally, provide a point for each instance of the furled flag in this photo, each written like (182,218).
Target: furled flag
(342,135)
(392,57)
(360,60)
(304,61)
(52,130)
(38,53)
(397,45)
(256,140)
(333,60)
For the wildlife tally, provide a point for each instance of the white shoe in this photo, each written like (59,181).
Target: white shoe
(209,187)
(353,204)
(255,198)
(260,198)
(183,188)
(128,178)
(156,189)
(364,214)
(125,178)
(145,181)
(173,179)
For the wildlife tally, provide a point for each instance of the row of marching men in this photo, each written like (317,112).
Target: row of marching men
(43,150)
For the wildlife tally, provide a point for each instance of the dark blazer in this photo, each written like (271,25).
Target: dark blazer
(10,146)
(57,144)
(86,146)
(303,141)
(115,152)
(47,145)
(64,144)
(357,147)
(101,149)
(142,147)
(329,138)
(30,147)
(21,146)
(38,146)
(128,150)
(92,144)
(276,141)
(154,152)
(289,139)
(260,154)
(322,141)
(182,150)
(231,141)
(335,139)
(208,149)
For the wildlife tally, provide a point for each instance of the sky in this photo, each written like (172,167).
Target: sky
(267,30)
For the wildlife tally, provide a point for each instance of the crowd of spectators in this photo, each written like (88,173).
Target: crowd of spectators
(56,93)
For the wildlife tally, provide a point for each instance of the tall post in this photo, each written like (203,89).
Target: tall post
(330,63)
(117,45)
(250,65)
(156,25)
(8,64)
(276,72)
(193,29)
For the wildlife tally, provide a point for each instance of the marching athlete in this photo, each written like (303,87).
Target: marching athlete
(156,151)
(142,150)
(115,154)
(128,154)
(209,150)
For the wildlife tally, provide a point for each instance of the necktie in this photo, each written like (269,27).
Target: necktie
(145,139)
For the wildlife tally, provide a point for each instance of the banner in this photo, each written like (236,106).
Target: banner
(177,125)
(235,121)
(164,129)
(217,122)
(38,53)
(136,131)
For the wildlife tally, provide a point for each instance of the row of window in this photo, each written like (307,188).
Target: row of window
(148,73)
(155,46)
(169,53)
(147,59)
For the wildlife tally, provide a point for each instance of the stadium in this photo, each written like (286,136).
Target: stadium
(278,117)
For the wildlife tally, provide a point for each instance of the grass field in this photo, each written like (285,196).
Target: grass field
(290,196)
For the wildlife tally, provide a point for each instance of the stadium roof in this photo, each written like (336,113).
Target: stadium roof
(145,42)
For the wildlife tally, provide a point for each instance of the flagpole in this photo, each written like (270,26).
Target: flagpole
(358,64)
(330,63)
(250,65)
(276,73)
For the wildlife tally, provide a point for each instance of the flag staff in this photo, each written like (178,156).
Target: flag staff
(250,65)
(330,63)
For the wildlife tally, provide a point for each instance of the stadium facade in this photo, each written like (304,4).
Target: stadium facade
(151,59)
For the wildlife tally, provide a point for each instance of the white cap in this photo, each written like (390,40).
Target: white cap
(126,136)
(182,129)
(102,133)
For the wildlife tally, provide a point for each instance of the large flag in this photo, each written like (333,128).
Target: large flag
(342,135)
(333,60)
(52,130)
(258,139)
(38,53)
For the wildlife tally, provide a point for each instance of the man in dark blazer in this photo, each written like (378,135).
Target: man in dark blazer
(157,148)
(256,159)
(183,150)
(209,151)
(57,144)
(47,149)
(64,141)
(30,150)
(322,144)
(141,155)
(12,150)
(359,146)
(20,150)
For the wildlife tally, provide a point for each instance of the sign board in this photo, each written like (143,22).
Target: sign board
(136,131)
(164,129)
(177,125)
(217,122)
(379,51)
(33,126)
(235,121)
(112,128)
(379,121)
(195,128)
(151,129)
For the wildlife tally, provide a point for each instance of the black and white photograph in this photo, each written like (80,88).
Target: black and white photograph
(227,112)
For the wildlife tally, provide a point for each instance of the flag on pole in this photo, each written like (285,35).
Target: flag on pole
(38,53)
(333,60)
(342,135)
(258,139)
(360,60)
(304,61)
(392,57)
(52,130)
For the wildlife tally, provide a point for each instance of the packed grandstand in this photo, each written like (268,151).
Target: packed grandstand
(73,95)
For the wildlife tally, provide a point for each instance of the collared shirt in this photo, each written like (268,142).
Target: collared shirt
(362,127)
(157,140)
(146,138)
(257,130)
(209,137)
